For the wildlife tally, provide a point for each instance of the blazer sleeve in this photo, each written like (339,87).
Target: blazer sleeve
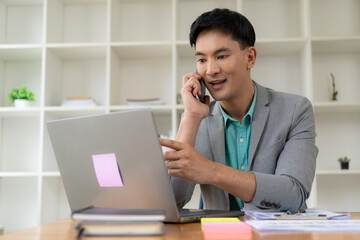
(290,186)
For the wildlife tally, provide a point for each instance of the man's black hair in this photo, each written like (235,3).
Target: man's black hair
(226,20)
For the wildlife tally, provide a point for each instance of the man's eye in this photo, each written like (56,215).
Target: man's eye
(222,56)
(201,60)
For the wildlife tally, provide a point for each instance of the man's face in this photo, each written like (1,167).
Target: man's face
(224,66)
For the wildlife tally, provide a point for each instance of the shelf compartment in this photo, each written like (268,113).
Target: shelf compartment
(286,71)
(140,72)
(263,13)
(19,143)
(149,20)
(189,10)
(22,200)
(49,161)
(20,67)
(54,205)
(74,21)
(345,68)
(21,22)
(333,189)
(346,22)
(336,136)
(74,72)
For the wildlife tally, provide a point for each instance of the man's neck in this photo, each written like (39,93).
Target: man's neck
(239,106)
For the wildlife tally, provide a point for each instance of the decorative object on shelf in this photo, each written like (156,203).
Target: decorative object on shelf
(344,162)
(79,101)
(21,97)
(334,91)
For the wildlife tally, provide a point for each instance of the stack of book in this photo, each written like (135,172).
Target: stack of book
(78,101)
(106,222)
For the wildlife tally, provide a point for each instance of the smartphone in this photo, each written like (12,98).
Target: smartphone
(203,90)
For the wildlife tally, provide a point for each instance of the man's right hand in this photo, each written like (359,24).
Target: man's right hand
(193,108)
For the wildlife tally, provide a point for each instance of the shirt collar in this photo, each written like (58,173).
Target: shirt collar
(249,114)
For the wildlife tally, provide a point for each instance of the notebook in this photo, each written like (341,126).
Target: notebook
(115,162)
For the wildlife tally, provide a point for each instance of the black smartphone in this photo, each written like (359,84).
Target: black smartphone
(203,90)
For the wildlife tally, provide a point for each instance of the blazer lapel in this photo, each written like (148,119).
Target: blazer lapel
(260,116)
(217,134)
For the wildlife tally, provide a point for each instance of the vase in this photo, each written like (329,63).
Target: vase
(21,103)
(344,165)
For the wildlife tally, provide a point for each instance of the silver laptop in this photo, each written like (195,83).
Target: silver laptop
(115,161)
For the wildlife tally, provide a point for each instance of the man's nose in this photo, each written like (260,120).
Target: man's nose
(212,68)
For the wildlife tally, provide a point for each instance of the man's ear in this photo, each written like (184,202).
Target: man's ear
(251,51)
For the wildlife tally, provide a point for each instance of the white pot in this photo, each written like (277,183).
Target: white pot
(21,103)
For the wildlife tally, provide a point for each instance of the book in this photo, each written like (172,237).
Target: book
(146,102)
(112,228)
(79,101)
(110,214)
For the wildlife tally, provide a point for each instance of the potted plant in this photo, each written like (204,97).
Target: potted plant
(21,97)
(344,162)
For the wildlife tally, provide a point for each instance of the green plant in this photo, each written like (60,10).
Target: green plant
(344,159)
(334,91)
(21,93)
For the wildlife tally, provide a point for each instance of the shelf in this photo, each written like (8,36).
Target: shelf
(154,108)
(19,174)
(337,172)
(20,67)
(54,202)
(19,138)
(19,196)
(261,14)
(114,50)
(345,68)
(337,136)
(74,21)
(188,11)
(21,22)
(336,107)
(73,72)
(341,19)
(130,73)
(151,19)
(333,45)
(12,112)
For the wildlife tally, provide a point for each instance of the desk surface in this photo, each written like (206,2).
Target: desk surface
(64,229)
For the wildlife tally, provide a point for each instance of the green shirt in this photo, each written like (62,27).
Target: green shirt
(237,143)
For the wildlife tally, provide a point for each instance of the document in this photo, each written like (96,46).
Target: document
(308,214)
(306,225)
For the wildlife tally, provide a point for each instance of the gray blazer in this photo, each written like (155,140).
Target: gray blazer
(282,153)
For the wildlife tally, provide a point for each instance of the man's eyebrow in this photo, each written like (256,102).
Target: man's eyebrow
(222,49)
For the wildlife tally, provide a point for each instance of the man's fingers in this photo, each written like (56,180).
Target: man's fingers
(171,144)
(171,155)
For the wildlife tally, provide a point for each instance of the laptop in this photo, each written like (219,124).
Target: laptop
(114,161)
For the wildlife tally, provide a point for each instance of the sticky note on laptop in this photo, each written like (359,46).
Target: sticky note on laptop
(107,170)
(225,228)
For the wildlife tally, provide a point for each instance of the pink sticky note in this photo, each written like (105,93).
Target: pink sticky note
(107,170)
(226,230)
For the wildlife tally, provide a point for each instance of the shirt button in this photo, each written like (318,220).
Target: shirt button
(243,167)
(241,140)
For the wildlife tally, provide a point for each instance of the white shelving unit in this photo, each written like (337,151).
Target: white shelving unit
(113,50)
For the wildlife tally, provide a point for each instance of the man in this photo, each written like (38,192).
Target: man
(251,145)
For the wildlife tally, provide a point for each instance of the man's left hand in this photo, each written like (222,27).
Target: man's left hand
(185,162)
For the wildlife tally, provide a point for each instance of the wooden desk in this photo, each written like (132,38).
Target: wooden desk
(64,229)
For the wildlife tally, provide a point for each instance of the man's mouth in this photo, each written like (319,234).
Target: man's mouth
(216,84)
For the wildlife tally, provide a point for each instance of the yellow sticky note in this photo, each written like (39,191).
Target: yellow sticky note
(227,219)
